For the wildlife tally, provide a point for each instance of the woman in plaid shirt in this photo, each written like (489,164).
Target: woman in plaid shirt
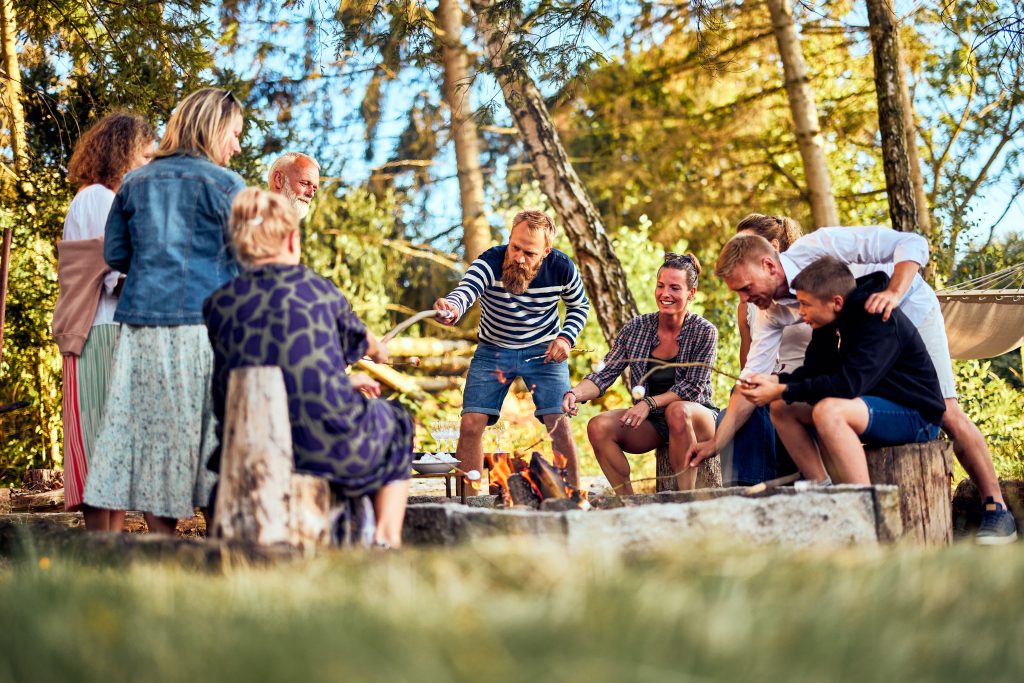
(672,404)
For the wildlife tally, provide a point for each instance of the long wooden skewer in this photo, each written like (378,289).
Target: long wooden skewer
(771,484)
(410,321)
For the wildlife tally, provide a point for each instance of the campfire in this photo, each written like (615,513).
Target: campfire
(522,484)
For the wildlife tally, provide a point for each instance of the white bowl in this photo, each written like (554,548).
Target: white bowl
(434,467)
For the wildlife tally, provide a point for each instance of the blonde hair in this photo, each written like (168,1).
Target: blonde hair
(198,123)
(537,221)
(783,230)
(742,249)
(260,221)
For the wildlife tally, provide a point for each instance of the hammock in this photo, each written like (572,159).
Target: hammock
(985,316)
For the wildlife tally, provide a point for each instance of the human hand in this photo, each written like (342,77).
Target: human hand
(635,416)
(366,384)
(760,388)
(447,307)
(558,350)
(570,404)
(884,303)
(699,452)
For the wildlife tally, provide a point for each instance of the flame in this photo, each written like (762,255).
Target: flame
(500,468)
(501,376)
(559,460)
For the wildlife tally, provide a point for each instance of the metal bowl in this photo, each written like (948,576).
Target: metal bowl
(434,467)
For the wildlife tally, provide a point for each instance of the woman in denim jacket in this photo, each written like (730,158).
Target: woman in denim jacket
(167,231)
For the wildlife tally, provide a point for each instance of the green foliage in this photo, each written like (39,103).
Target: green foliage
(997,407)
(522,612)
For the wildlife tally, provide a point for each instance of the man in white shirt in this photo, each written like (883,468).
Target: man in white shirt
(297,177)
(759,274)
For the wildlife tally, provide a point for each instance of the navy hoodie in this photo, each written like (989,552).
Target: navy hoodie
(860,355)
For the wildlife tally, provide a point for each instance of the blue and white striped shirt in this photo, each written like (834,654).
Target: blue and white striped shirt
(515,321)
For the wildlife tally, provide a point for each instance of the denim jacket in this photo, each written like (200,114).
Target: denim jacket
(168,231)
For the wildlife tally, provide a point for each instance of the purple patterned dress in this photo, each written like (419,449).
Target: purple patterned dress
(290,317)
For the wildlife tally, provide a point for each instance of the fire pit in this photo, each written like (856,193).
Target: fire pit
(836,516)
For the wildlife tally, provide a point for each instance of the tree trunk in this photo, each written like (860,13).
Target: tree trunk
(888,74)
(10,74)
(259,498)
(476,232)
(805,115)
(602,274)
(923,472)
(924,217)
(709,472)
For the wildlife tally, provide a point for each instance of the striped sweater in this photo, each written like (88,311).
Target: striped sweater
(515,321)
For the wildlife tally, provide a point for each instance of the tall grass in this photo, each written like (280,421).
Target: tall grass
(512,612)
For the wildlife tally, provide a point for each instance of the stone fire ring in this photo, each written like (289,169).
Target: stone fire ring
(832,517)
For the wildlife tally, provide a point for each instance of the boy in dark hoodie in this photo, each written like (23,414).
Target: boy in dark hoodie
(863,379)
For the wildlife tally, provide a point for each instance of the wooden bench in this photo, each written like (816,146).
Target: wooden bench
(709,472)
(923,472)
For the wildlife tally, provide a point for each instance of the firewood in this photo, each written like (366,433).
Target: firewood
(521,491)
(425,347)
(37,502)
(5,501)
(547,479)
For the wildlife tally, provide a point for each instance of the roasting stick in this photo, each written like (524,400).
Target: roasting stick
(410,321)
(771,484)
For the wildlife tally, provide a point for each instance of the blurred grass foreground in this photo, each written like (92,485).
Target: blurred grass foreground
(517,612)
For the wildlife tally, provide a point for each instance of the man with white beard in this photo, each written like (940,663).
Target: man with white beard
(519,286)
(297,177)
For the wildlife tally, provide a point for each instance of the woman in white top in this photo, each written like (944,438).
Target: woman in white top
(114,145)
(754,455)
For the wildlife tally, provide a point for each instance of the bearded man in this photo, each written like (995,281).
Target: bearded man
(519,286)
(297,177)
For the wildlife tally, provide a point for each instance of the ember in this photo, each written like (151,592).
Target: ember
(528,485)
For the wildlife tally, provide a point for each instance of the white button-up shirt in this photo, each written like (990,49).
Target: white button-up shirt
(866,250)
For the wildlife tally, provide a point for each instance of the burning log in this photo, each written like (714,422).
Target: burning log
(547,478)
(521,491)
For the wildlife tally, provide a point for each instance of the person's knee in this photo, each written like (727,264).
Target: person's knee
(780,410)
(828,412)
(598,429)
(679,416)
(473,425)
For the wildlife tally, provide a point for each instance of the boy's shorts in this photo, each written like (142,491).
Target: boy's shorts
(890,424)
(493,370)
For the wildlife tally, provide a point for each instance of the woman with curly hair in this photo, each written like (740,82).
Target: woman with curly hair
(83,319)
(167,231)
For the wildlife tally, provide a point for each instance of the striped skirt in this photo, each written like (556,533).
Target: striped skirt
(158,427)
(86,378)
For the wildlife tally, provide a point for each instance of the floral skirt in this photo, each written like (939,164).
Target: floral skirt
(158,429)
(86,378)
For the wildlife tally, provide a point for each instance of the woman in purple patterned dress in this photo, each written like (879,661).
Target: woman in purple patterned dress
(281,313)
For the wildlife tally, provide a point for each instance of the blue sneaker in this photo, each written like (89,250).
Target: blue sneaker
(997,525)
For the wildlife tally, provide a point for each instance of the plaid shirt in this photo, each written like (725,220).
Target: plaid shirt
(698,342)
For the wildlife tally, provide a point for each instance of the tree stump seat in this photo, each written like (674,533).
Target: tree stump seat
(923,472)
(709,472)
(260,498)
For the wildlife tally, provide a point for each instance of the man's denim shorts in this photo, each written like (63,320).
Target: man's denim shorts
(493,370)
(890,424)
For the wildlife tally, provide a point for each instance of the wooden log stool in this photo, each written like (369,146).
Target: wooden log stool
(260,498)
(923,472)
(709,472)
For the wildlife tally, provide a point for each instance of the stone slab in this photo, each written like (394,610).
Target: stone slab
(837,516)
